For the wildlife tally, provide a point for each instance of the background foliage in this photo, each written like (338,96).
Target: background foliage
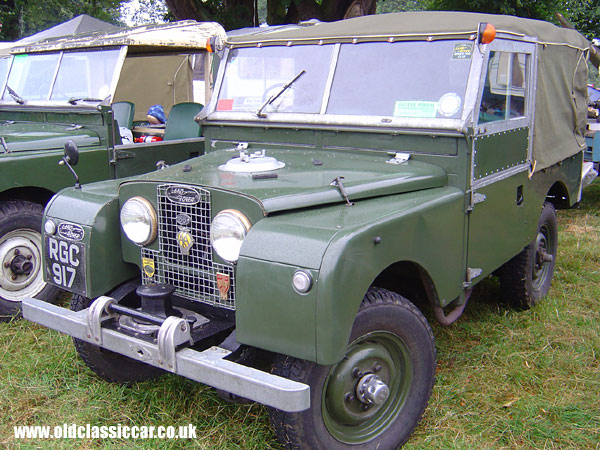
(22,18)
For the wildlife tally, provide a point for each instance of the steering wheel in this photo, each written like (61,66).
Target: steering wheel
(274,88)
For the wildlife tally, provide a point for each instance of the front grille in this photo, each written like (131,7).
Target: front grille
(194,275)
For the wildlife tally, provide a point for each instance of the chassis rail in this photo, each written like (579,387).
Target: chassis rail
(208,366)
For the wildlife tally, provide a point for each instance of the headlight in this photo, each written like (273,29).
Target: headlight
(227,232)
(138,219)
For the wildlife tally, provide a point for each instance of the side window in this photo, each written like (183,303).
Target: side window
(505,89)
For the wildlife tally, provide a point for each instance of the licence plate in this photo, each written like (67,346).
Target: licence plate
(65,264)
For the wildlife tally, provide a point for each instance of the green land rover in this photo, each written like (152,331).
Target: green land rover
(94,90)
(354,172)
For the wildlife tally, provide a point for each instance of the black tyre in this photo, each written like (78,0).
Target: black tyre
(21,274)
(527,277)
(109,365)
(373,398)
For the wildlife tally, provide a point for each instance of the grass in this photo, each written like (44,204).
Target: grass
(506,379)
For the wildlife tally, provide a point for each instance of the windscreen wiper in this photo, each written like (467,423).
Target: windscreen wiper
(275,96)
(16,97)
(74,100)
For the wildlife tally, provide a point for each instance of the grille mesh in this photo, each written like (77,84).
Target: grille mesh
(194,275)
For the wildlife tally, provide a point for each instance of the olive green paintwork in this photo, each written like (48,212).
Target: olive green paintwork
(96,208)
(342,237)
(35,143)
(489,160)
(419,210)
(302,183)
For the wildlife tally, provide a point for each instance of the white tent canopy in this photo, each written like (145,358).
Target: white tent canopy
(79,24)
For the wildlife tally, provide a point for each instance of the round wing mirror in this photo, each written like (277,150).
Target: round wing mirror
(71,152)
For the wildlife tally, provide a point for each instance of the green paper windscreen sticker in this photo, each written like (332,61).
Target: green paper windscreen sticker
(462,51)
(415,109)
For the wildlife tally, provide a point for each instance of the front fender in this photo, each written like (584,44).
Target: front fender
(336,245)
(95,207)
(426,228)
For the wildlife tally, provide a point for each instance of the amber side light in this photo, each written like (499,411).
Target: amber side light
(209,48)
(487,33)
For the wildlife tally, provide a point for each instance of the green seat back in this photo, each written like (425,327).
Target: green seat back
(181,123)
(123,113)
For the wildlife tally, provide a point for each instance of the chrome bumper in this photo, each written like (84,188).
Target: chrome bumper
(208,367)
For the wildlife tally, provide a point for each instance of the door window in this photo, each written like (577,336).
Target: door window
(505,89)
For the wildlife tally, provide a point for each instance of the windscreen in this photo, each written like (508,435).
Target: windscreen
(61,76)
(256,75)
(403,79)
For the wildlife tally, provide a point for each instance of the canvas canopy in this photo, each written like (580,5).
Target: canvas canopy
(77,25)
(184,34)
(561,94)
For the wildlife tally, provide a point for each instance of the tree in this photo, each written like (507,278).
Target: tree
(22,18)
(584,15)
(540,9)
(242,13)
(141,12)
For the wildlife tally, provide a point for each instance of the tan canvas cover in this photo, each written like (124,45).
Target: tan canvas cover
(561,94)
(141,75)
(174,35)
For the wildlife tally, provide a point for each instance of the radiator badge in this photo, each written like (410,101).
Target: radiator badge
(185,241)
(148,266)
(223,283)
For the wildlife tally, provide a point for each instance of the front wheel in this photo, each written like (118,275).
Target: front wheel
(21,273)
(375,396)
(526,278)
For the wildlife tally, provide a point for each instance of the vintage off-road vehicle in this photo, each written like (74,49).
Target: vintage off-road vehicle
(90,89)
(353,171)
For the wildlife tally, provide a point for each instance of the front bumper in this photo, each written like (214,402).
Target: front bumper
(208,366)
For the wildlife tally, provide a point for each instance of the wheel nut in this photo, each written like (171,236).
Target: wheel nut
(348,397)
(13,277)
(7,264)
(356,372)
(377,368)
(364,407)
(29,257)
(17,252)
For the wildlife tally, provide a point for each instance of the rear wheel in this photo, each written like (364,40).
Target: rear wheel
(527,277)
(376,395)
(109,365)
(21,274)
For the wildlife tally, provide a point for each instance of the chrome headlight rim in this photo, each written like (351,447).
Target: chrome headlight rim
(245,224)
(153,222)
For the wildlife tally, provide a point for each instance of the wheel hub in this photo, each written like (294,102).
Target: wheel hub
(542,259)
(366,390)
(20,269)
(371,390)
(21,265)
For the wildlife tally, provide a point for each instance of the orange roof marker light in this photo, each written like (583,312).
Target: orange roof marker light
(486,32)
(214,44)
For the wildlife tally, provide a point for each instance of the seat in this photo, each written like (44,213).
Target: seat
(181,123)
(123,113)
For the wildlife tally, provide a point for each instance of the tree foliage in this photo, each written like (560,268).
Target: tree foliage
(539,9)
(584,15)
(22,18)
(145,11)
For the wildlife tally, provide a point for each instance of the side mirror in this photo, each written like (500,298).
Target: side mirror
(70,159)
(71,153)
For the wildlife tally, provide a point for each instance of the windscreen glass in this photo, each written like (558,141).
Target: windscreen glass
(61,77)
(401,79)
(276,79)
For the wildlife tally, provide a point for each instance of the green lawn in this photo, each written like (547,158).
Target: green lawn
(505,380)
